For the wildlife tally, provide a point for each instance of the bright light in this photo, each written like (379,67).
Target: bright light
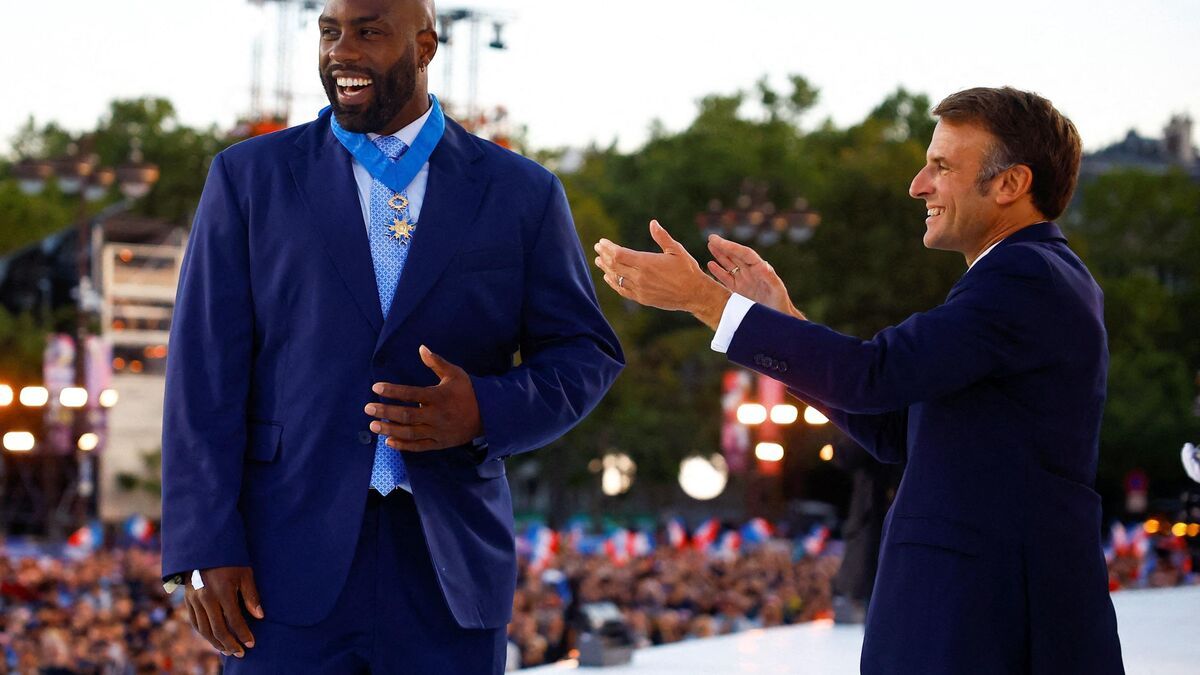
(88,442)
(769,452)
(18,441)
(814,416)
(751,413)
(827,452)
(618,473)
(1151,526)
(1193,529)
(1179,529)
(108,398)
(34,397)
(703,477)
(6,395)
(73,397)
(784,413)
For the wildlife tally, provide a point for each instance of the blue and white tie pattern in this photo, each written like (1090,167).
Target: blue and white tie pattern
(389,254)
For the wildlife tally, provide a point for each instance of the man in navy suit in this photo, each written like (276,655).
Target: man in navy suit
(991,559)
(341,388)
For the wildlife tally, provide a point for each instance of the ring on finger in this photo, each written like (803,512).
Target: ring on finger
(734,271)
(620,282)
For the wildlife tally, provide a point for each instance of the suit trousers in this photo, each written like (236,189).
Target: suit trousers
(390,618)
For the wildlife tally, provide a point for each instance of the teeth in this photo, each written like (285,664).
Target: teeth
(935,212)
(353,81)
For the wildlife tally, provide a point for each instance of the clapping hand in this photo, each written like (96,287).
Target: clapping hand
(446,414)
(743,271)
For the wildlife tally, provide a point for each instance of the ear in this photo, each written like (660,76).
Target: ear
(427,46)
(1015,183)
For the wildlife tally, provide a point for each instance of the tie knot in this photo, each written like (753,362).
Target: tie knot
(391,146)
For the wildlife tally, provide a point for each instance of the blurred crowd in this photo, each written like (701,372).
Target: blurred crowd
(667,596)
(104,613)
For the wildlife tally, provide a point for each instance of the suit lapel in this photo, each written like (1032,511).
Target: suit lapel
(325,180)
(452,196)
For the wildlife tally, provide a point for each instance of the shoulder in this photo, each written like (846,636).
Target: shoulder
(268,147)
(502,163)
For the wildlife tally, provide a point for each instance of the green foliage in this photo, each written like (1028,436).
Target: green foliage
(22,344)
(149,480)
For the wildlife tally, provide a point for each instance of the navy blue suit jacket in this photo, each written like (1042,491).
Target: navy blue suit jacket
(991,559)
(278,336)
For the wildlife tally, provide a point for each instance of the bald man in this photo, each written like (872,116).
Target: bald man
(341,389)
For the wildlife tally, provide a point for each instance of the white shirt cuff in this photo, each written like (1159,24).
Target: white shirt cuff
(197,582)
(731,318)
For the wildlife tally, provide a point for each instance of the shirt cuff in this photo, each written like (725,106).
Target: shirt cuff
(731,318)
(197,582)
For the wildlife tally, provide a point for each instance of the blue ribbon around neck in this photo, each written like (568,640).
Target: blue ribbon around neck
(399,173)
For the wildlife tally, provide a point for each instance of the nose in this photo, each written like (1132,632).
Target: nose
(921,184)
(341,51)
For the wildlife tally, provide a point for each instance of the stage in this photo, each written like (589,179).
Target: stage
(1160,635)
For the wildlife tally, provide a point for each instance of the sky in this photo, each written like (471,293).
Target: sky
(582,72)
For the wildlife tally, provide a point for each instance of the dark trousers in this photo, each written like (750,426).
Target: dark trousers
(390,618)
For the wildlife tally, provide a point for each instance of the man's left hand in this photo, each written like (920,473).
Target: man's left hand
(446,415)
(669,280)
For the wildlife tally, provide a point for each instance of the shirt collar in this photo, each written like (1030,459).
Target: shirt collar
(408,134)
(985,252)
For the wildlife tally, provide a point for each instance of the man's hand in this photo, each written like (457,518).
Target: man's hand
(743,271)
(446,415)
(215,612)
(669,280)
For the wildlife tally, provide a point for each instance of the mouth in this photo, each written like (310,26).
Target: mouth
(353,91)
(932,212)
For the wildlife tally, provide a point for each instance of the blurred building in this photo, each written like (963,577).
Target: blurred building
(1175,149)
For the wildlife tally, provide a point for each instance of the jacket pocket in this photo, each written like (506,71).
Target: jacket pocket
(263,440)
(937,532)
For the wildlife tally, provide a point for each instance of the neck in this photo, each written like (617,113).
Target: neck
(418,105)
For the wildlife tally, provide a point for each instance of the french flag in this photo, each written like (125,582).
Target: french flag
(705,535)
(1120,538)
(641,544)
(757,531)
(731,543)
(676,533)
(86,539)
(139,528)
(576,529)
(814,541)
(617,546)
(543,544)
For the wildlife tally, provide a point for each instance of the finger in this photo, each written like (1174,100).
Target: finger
(621,288)
(738,253)
(612,255)
(419,445)
(722,275)
(398,414)
(615,268)
(721,254)
(663,238)
(440,367)
(401,432)
(236,620)
(401,392)
(192,619)
(251,598)
(214,606)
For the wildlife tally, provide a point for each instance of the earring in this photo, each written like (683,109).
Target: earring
(423,64)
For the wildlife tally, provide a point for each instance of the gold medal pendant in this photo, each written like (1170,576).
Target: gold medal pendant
(402,230)
(398,202)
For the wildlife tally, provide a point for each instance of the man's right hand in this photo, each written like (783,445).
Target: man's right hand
(215,611)
(744,272)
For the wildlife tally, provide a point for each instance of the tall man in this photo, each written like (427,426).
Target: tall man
(991,558)
(341,390)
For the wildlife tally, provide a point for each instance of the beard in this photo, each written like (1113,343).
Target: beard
(390,92)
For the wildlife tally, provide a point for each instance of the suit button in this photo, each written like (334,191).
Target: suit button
(366,437)
(783,366)
(758,359)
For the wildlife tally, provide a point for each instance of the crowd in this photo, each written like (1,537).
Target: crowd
(106,613)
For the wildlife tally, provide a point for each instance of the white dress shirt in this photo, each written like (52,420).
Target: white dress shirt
(737,306)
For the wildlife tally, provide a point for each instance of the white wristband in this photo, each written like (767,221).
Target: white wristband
(197,582)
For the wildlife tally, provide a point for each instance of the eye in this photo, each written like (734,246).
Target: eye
(328,33)
(371,32)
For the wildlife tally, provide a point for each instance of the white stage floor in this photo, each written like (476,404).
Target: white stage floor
(1160,635)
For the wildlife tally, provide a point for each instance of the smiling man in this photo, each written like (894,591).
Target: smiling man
(341,389)
(991,559)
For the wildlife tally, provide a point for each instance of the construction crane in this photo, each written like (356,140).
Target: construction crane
(289,16)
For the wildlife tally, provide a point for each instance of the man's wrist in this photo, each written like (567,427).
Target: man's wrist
(710,304)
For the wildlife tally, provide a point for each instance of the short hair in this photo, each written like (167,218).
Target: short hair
(1029,131)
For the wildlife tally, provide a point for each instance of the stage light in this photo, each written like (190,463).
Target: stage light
(1151,526)
(617,477)
(827,452)
(34,397)
(108,398)
(814,416)
(1193,529)
(18,441)
(1179,529)
(751,413)
(769,452)
(784,414)
(6,395)
(703,478)
(73,397)
(88,442)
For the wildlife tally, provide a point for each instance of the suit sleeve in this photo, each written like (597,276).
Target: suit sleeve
(884,436)
(207,384)
(569,354)
(987,327)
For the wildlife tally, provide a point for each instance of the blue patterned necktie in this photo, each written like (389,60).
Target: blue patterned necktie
(390,233)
